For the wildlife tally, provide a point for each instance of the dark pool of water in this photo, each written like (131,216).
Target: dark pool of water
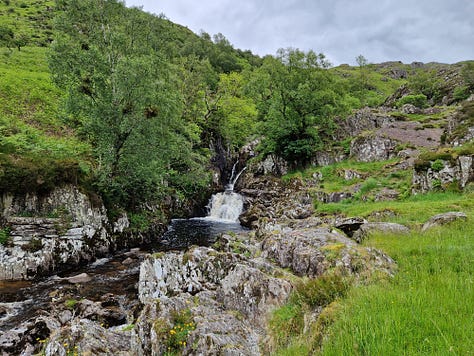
(183,233)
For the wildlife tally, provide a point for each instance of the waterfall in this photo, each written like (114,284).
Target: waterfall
(228,205)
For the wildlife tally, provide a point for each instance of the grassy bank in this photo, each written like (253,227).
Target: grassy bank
(427,309)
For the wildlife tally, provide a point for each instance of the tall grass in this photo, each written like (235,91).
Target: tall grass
(428,307)
(411,211)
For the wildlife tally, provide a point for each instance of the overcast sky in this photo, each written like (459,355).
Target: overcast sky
(380,30)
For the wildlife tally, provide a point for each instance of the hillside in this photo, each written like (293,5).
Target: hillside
(357,184)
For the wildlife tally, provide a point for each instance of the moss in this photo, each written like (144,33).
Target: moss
(70,303)
(34,245)
(4,235)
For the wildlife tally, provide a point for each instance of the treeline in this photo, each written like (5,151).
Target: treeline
(157,101)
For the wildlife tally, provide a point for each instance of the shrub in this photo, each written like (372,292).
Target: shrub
(176,336)
(418,100)
(437,165)
(321,291)
(461,93)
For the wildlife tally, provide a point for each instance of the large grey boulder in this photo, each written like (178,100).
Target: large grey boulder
(443,219)
(227,296)
(379,227)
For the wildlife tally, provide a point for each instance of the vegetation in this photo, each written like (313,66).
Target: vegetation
(136,108)
(287,323)
(176,336)
(423,310)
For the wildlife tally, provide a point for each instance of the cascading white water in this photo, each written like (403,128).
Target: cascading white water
(228,205)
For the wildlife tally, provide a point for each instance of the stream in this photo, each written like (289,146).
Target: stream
(117,276)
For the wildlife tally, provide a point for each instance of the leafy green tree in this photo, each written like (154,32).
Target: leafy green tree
(298,99)
(467,73)
(427,83)
(20,40)
(127,97)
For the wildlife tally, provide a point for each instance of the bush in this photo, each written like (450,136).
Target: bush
(36,174)
(321,291)
(437,165)
(418,100)
(461,93)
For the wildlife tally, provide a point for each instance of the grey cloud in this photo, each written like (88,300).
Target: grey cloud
(381,30)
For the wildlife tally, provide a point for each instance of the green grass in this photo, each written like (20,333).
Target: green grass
(32,18)
(427,309)
(411,211)
(37,148)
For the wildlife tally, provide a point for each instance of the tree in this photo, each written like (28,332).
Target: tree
(298,98)
(127,97)
(467,73)
(20,40)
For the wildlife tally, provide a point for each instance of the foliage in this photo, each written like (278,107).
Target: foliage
(288,323)
(467,74)
(418,100)
(437,165)
(461,93)
(321,291)
(422,309)
(4,235)
(176,336)
(297,99)
(29,21)
(124,95)
(426,82)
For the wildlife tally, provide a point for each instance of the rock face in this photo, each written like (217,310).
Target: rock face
(227,298)
(273,165)
(426,178)
(77,232)
(362,120)
(370,148)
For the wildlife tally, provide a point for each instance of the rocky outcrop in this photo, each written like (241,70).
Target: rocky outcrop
(370,148)
(222,296)
(271,198)
(427,176)
(75,231)
(443,219)
(328,157)
(273,165)
(365,119)
(226,296)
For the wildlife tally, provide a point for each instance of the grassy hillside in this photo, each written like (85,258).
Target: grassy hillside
(31,18)
(426,309)
(37,149)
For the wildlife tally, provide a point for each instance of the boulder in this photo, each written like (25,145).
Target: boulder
(80,278)
(379,227)
(226,296)
(370,148)
(443,219)
(350,225)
